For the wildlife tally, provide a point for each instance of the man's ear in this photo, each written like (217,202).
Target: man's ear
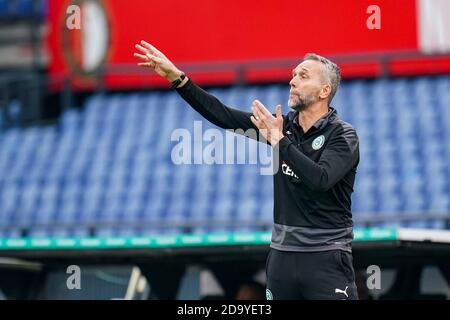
(325,91)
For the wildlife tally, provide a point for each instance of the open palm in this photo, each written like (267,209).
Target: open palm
(156,60)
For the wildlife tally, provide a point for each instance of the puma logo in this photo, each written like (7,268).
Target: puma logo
(341,291)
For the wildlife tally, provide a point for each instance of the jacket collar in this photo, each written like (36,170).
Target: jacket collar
(321,123)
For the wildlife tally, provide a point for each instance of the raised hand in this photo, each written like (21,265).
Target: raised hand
(269,126)
(156,60)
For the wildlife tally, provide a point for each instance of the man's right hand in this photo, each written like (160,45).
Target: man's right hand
(156,60)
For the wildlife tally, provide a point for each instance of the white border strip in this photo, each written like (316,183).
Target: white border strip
(442,236)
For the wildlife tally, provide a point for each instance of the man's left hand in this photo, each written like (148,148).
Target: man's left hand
(269,126)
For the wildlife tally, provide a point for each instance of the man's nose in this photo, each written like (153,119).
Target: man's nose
(292,82)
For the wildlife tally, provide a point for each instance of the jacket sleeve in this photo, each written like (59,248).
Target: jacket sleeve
(341,153)
(213,109)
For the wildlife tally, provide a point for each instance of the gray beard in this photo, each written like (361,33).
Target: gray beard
(302,103)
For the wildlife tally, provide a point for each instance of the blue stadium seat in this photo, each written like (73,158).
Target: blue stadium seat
(3,8)
(101,164)
(24,8)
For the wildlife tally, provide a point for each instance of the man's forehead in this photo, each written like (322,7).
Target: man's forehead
(308,65)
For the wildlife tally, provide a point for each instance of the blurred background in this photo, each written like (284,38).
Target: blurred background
(86,176)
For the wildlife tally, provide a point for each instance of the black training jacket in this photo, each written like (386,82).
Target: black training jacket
(315,177)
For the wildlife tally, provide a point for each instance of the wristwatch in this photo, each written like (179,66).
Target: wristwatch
(176,83)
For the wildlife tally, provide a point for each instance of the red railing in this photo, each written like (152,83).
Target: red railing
(360,65)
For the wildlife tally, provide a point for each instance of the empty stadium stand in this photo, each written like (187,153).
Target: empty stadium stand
(22,9)
(105,169)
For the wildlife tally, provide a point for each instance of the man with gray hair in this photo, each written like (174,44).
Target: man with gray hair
(310,255)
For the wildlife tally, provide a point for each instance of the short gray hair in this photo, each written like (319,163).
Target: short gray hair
(333,72)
